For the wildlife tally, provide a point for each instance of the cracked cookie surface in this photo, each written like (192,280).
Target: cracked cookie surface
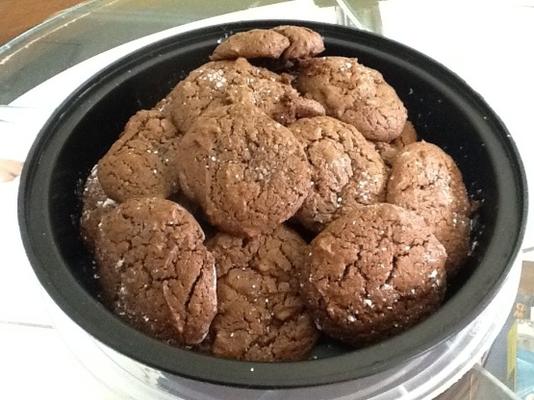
(247,172)
(251,44)
(354,94)
(219,83)
(141,163)
(261,316)
(427,180)
(304,42)
(286,41)
(155,271)
(346,170)
(373,273)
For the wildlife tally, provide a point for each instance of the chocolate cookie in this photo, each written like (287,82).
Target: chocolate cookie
(304,43)
(155,271)
(287,42)
(220,83)
(95,203)
(388,151)
(251,44)
(141,163)
(246,171)
(260,315)
(354,94)
(346,170)
(373,273)
(427,180)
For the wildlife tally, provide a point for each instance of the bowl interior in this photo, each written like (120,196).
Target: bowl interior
(444,111)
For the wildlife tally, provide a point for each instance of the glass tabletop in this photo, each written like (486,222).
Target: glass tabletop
(92,27)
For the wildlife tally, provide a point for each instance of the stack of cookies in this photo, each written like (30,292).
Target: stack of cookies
(197,214)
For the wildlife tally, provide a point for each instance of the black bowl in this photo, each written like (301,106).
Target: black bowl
(444,109)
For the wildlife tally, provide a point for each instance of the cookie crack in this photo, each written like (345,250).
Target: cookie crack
(191,292)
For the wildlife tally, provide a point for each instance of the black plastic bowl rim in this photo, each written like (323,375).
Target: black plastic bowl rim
(455,315)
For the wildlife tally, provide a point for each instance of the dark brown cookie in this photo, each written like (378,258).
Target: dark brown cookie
(155,271)
(246,171)
(220,83)
(354,94)
(287,42)
(304,43)
(141,163)
(260,314)
(388,151)
(373,273)
(427,180)
(251,44)
(95,203)
(346,170)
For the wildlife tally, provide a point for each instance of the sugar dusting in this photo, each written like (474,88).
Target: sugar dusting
(215,77)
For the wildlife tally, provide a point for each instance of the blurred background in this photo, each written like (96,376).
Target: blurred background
(20,15)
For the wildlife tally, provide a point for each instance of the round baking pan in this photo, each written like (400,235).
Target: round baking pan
(444,110)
